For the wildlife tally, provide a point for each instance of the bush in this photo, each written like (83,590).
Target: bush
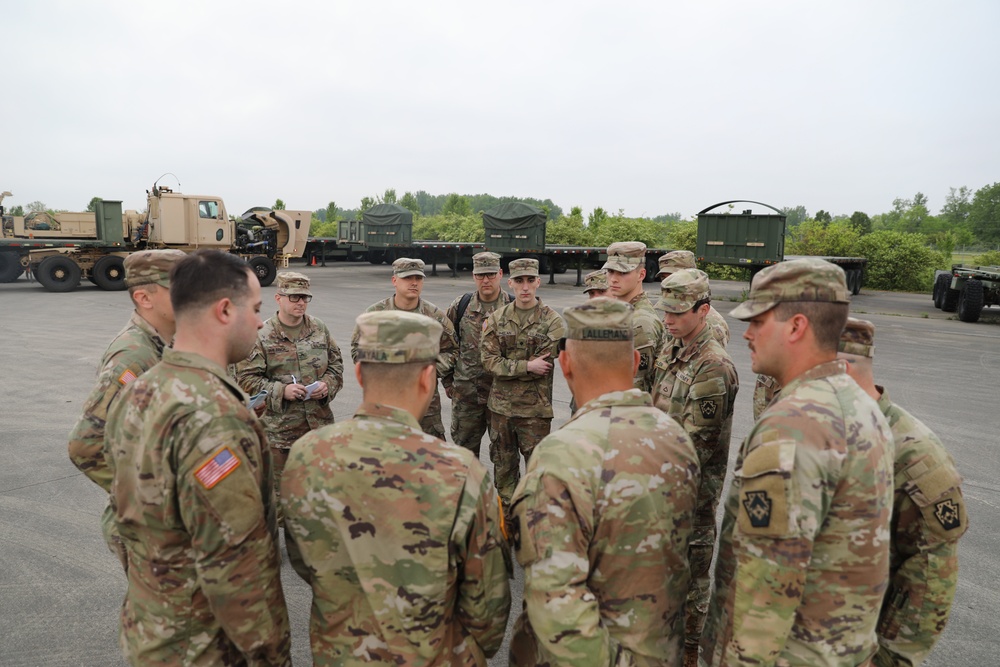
(321,229)
(449,227)
(837,239)
(991,258)
(899,261)
(620,228)
(568,230)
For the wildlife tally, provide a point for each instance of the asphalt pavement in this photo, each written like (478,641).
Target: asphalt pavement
(61,589)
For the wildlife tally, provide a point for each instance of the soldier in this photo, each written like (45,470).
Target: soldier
(398,531)
(298,363)
(595,284)
(136,349)
(928,517)
(676,260)
(763,393)
(408,279)
(191,486)
(803,556)
(470,389)
(603,515)
(696,384)
(626,267)
(517,347)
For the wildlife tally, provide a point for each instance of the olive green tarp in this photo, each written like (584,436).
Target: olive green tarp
(514,215)
(387,214)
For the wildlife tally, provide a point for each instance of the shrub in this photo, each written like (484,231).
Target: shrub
(899,261)
(991,258)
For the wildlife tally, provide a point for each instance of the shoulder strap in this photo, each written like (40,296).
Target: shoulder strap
(463,304)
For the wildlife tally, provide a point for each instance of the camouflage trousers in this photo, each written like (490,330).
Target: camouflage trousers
(431,423)
(510,438)
(279,457)
(470,418)
(111,537)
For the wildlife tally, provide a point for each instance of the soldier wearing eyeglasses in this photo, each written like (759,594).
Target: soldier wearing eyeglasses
(299,364)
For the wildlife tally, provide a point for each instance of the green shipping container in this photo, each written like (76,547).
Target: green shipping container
(742,239)
(515,227)
(387,226)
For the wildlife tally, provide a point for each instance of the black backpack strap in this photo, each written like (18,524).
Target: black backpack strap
(463,305)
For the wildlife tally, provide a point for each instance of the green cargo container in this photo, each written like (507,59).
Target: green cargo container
(109,222)
(387,226)
(515,228)
(742,239)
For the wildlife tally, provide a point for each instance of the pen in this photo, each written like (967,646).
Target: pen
(294,381)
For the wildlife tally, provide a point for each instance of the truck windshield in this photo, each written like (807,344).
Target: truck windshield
(208,209)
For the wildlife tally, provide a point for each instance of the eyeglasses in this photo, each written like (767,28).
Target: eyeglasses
(484,276)
(295,298)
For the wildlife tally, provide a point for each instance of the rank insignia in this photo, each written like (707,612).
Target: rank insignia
(947,514)
(758,507)
(708,408)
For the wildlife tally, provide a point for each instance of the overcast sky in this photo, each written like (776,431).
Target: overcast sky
(650,107)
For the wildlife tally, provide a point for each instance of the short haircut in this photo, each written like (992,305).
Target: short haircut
(598,356)
(401,376)
(204,277)
(147,287)
(827,319)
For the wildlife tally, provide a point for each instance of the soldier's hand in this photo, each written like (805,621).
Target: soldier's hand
(320,391)
(294,392)
(539,365)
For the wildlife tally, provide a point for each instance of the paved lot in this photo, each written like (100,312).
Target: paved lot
(61,589)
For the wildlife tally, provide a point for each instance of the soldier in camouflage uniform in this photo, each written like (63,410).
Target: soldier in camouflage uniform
(398,532)
(408,279)
(928,517)
(518,346)
(763,393)
(470,389)
(293,351)
(803,554)
(677,260)
(696,384)
(191,487)
(603,516)
(595,284)
(626,267)
(136,349)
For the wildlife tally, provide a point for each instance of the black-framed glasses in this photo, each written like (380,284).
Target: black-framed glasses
(295,298)
(484,276)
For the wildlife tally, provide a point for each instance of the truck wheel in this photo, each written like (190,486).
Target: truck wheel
(941,285)
(109,273)
(856,283)
(58,274)
(970,303)
(264,268)
(375,257)
(949,300)
(10,267)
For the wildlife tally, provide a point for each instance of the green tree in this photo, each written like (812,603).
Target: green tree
(984,213)
(596,219)
(861,222)
(388,197)
(821,216)
(957,204)
(409,202)
(813,237)
(92,206)
(899,261)
(37,207)
(366,203)
(456,204)
(794,215)
(331,212)
(17,211)
(682,235)
(278,205)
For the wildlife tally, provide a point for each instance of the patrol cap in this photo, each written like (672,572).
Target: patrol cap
(803,279)
(485,262)
(524,267)
(290,282)
(682,289)
(858,338)
(148,267)
(625,256)
(599,319)
(674,261)
(397,337)
(404,266)
(596,280)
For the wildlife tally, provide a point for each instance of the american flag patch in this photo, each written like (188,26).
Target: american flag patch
(126,377)
(217,468)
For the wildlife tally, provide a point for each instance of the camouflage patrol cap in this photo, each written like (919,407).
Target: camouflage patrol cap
(858,338)
(804,279)
(681,290)
(601,319)
(485,262)
(524,267)
(596,280)
(148,267)
(625,256)
(674,261)
(404,266)
(290,282)
(397,337)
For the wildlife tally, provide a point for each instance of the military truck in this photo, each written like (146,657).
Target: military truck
(60,249)
(755,241)
(967,289)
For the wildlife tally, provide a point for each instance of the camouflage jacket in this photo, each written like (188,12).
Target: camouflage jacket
(928,517)
(647,337)
(601,522)
(194,506)
(135,350)
(399,538)
(506,350)
(763,393)
(272,363)
(471,381)
(804,549)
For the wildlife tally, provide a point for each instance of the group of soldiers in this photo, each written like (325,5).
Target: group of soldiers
(838,544)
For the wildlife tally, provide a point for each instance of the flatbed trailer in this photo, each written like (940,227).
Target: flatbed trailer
(967,290)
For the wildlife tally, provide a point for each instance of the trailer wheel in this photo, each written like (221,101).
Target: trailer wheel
(58,274)
(109,273)
(949,300)
(10,267)
(264,268)
(375,257)
(855,284)
(970,303)
(941,286)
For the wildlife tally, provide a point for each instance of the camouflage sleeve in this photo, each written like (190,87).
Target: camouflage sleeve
(449,351)
(647,339)
(484,590)
(491,354)
(710,407)
(251,375)
(334,376)
(355,337)
(220,494)
(557,331)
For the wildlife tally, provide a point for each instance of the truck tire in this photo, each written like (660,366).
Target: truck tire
(10,267)
(949,300)
(58,273)
(970,301)
(109,273)
(375,257)
(941,285)
(264,268)
(859,277)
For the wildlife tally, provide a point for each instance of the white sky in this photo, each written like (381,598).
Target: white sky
(652,107)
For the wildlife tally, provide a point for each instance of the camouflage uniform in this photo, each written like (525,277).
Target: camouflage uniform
(398,531)
(520,402)
(696,384)
(804,554)
(763,394)
(194,505)
(601,525)
(684,259)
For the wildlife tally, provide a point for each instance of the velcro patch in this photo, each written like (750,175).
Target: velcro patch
(708,408)
(758,508)
(126,377)
(765,491)
(948,513)
(217,468)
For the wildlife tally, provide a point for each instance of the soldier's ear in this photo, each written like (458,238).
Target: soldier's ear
(357,374)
